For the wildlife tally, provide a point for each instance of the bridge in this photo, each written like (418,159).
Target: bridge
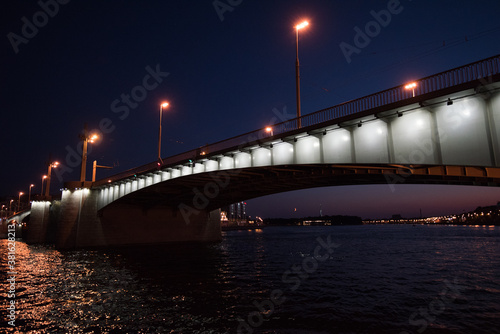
(442,130)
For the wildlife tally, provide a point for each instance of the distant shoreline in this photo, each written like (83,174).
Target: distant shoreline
(241,228)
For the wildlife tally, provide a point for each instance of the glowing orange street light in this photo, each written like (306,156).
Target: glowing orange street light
(53,164)
(411,86)
(163,105)
(297,70)
(29,196)
(43,178)
(86,138)
(270,130)
(302,25)
(93,138)
(19,201)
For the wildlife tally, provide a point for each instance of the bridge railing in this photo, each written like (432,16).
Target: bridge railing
(468,73)
(434,83)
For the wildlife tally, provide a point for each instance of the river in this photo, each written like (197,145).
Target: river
(305,279)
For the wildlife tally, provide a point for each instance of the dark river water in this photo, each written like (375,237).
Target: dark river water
(338,279)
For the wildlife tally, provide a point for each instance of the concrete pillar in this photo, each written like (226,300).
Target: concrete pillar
(39,222)
(353,144)
(82,225)
(126,224)
(79,225)
(435,137)
(390,142)
(491,131)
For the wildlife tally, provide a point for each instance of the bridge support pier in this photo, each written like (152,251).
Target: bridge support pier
(117,224)
(39,222)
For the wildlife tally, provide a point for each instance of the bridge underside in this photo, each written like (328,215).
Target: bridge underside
(212,190)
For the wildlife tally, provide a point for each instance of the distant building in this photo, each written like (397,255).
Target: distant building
(236,211)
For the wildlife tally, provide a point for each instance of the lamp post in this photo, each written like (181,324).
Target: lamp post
(49,173)
(94,168)
(163,105)
(270,130)
(29,193)
(411,86)
(297,70)
(10,206)
(86,138)
(19,201)
(43,178)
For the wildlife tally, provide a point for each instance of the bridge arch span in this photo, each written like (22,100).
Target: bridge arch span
(216,189)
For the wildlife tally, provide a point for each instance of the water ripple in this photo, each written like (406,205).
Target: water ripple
(379,280)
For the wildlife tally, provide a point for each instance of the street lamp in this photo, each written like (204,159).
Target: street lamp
(43,178)
(29,196)
(94,167)
(163,105)
(49,173)
(19,201)
(411,86)
(86,138)
(297,70)
(270,130)
(10,206)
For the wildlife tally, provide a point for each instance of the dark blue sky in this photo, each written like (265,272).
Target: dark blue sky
(225,77)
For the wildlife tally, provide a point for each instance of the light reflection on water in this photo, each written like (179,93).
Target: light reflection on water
(374,281)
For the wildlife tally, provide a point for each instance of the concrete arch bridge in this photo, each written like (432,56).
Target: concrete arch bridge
(445,130)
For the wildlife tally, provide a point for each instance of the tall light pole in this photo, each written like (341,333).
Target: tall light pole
(86,138)
(10,206)
(94,168)
(29,193)
(19,201)
(49,173)
(43,178)
(163,105)
(297,70)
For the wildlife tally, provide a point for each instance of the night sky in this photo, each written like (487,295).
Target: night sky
(225,72)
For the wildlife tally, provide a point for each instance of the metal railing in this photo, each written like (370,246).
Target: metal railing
(434,83)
